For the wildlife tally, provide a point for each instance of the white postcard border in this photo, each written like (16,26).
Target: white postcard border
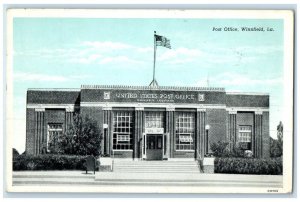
(287,16)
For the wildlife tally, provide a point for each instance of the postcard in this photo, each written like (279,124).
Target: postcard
(149,101)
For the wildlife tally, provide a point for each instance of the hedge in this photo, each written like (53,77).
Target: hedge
(49,162)
(249,166)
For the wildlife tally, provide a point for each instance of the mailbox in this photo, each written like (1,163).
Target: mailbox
(90,164)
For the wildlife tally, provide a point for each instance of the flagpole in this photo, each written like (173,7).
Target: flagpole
(154,57)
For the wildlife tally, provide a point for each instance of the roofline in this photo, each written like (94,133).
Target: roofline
(176,88)
(54,89)
(247,93)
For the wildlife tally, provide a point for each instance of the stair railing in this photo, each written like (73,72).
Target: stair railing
(113,160)
(200,160)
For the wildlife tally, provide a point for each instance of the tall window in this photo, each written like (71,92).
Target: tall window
(123,130)
(55,130)
(154,120)
(244,137)
(185,131)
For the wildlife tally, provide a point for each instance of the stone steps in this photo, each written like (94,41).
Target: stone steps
(156,167)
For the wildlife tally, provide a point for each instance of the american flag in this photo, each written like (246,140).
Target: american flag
(162,41)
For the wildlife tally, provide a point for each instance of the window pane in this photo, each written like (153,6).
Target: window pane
(154,120)
(185,130)
(245,134)
(122,130)
(55,130)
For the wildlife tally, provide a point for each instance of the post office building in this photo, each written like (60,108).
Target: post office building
(152,122)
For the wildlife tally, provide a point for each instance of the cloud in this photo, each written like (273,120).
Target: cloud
(232,79)
(106,45)
(83,49)
(239,80)
(118,53)
(238,55)
(145,49)
(53,53)
(186,53)
(26,76)
(258,50)
(204,56)
(91,52)
(214,54)
(86,59)
(119,60)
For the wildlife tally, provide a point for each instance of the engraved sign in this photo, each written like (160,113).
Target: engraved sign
(138,95)
(201,97)
(106,95)
(154,130)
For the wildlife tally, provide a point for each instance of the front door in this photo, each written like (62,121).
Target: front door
(154,147)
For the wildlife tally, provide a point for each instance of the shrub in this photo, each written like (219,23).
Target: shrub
(15,153)
(220,149)
(237,151)
(49,162)
(275,148)
(249,166)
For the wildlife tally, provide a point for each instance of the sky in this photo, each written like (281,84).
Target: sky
(69,52)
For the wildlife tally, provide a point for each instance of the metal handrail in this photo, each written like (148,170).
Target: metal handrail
(199,154)
(199,160)
(113,159)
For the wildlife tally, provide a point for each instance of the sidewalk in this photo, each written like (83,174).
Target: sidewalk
(193,177)
(200,180)
(44,178)
(62,173)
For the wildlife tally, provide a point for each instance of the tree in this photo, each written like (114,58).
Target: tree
(83,137)
(280,135)
(276,145)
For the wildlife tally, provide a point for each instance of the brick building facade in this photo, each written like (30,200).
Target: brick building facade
(152,123)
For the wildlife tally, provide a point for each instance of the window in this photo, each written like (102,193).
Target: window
(244,137)
(55,130)
(123,130)
(154,120)
(185,131)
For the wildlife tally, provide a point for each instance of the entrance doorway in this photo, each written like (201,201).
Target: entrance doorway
(154,147)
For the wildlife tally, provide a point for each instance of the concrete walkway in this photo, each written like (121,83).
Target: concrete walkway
(204,180)
(63,173)
(79,178)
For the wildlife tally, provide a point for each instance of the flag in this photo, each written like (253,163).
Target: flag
(162,41)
